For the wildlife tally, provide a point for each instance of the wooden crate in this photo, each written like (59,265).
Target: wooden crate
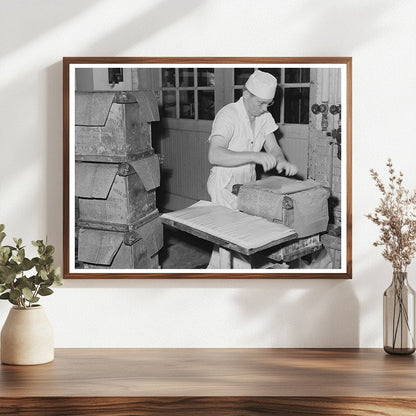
(135,249)
(111,195)
(333,245)
(114,126)
(301,205)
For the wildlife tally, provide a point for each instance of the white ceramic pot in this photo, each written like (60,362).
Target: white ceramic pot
(27,337)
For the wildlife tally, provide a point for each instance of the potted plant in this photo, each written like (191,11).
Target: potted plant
(396,217)
(26,336)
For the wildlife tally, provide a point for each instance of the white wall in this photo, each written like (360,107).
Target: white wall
(380,35)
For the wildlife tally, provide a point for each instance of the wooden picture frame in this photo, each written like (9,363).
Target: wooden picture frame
(171,101)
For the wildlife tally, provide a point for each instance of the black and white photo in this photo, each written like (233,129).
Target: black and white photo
(210,167)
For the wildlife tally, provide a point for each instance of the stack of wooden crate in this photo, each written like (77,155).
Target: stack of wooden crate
(116,176)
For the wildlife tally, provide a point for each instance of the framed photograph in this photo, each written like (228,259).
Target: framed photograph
(207,168)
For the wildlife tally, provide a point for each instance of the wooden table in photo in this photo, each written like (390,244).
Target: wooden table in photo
(220,382)
(232,231)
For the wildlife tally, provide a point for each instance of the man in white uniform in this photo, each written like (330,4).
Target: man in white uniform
(239,134)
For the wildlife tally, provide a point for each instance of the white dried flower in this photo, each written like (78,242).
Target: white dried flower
(396,216)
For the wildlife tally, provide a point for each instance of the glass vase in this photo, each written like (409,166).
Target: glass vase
(399,316)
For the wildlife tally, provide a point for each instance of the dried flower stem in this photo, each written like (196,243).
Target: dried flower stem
(396,216)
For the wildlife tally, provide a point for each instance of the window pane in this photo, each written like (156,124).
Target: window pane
(275,109)
(238,92)
(168,77)
(305,75)
(206,105)
(241,75)
(186,104)
(186,77)
(169,104)
(293,75)
(276,72)
(296,105)
(206,77)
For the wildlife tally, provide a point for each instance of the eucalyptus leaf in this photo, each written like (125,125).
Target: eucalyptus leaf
(8,277)
(49,250)
(27,293)
(14,268)
(45,260)
(2,227)
(5,295)
(5,250)
(43,275)
(2,288)
(55,274)
(24,282)
(37,280)
(26,264)
(3,269)
(21,255)
(58,276)
(2,236)
(48,282)
(45,291)
(15,294)
(4,258)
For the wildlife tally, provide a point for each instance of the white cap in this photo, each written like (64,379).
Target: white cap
(262,84)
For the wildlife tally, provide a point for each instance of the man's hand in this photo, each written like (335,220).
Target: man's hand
(266,160)
(289,168)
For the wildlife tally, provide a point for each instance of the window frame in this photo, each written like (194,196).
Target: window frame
(195,88)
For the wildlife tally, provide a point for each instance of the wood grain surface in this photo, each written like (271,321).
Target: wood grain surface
(212,382)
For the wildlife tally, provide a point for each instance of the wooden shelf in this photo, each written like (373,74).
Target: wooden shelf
(212,382)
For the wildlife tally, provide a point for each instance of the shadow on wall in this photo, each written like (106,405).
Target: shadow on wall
(45,16)
(336,18)
(157,18)
(300,313)
(40,16)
